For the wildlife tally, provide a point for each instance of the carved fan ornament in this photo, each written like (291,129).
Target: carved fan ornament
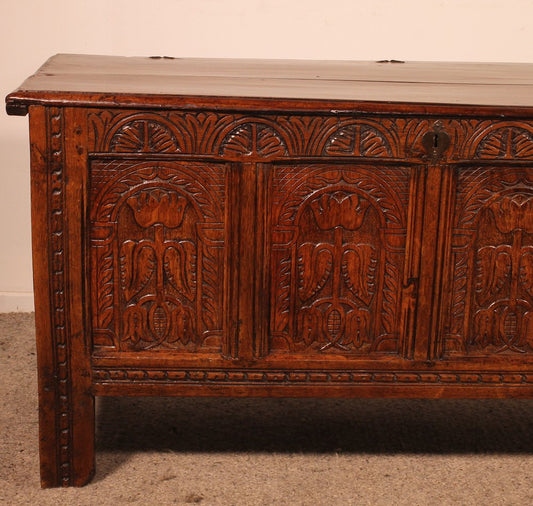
(144,136)
(253,139)
(506,142)
(358,140)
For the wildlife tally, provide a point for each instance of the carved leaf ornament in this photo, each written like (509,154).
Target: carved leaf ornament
(334,320)
(158,239)
(504,320)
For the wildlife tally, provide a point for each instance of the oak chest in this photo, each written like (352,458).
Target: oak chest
(275,228)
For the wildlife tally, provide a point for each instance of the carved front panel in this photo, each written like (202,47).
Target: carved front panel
(490,277)
(157,255)
(337,250)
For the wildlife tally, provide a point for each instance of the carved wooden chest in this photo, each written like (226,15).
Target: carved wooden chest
(237,228)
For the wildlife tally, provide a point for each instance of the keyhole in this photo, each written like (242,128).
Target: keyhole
(435,143)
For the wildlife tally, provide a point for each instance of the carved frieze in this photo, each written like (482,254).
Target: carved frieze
(270,136)
(324,378)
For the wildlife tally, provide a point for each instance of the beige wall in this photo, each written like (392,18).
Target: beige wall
(32,30)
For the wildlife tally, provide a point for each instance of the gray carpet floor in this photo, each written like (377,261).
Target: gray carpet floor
(271,452)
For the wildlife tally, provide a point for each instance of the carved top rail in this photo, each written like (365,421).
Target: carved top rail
(277,136)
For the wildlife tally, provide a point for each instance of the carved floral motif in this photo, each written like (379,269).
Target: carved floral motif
(330,251)
(165,224)
(343,321)
(158,317)
(494,248)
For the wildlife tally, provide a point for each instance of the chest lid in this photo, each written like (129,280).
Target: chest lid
(185,83)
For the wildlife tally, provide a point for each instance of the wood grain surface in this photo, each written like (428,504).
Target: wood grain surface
(131,80)
(216,245)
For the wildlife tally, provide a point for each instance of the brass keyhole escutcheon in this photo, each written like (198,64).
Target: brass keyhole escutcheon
(435,142)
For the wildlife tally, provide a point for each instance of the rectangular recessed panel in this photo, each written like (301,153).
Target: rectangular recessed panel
(338,238)
(157,255)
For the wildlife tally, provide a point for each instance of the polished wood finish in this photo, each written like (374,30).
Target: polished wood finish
(233,228)
(162,82)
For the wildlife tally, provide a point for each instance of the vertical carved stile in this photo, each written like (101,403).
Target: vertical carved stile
(262,285)
(442,284)
(411,281)
(57,255)
(66,403)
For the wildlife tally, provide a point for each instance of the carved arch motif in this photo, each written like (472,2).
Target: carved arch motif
(369,183)
(338,242)
(506,141)
(144,135)
(490,310)
(253,139)
(209,199)
(157,244)
(360,139)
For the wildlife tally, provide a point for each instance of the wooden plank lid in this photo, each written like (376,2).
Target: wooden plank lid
(176,83)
